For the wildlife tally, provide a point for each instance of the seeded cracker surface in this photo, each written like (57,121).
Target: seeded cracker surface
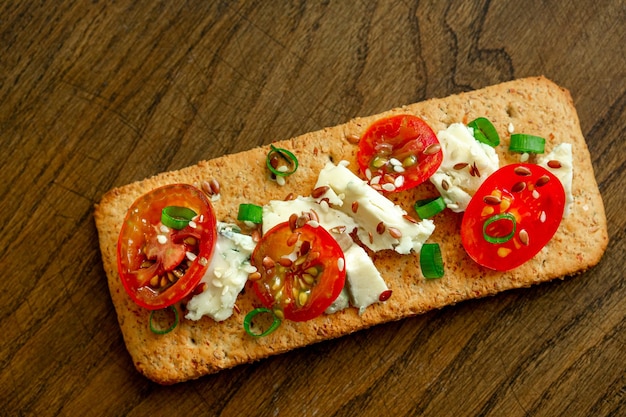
(533,105)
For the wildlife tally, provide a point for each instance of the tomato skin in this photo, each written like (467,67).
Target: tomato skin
(138,244)
(531,195)
(322,254)
(409,140)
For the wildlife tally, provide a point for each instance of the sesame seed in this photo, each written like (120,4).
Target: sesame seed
(395,162)
(280,180)
(368,174)
(511,128)
(399,181)
(162,239)
(398,168)
(542,217)
(341,264)
(191,256)
(388,187)
(535,194)
(375,180)
(192,224)
(164,229)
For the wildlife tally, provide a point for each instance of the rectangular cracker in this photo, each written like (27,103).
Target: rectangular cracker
(195,348)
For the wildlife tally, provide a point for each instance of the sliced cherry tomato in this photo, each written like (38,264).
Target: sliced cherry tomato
(514,214)
(302,271)
(159,265)
(398,153)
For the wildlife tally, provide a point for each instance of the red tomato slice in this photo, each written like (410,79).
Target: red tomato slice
(514,214)
(302,271)
(158,265)
(398,153)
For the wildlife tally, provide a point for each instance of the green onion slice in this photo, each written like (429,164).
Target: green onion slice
(484,131)
(527,143)
(250,213)
(290,158)
(495,218)
(176,217)
(431,261)
(247,322)
(427,208)
(159,330)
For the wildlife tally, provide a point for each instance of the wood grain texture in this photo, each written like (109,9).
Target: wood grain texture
(96,95)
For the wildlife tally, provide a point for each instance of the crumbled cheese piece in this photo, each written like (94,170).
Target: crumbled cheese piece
(225,277)
(466,164)
(378,218)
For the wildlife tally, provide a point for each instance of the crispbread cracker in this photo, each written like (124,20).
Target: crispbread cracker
(195,348)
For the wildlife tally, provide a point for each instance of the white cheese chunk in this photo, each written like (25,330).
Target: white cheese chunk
(466,164)
(225,277)
(379,219)
(278,211)
(563,154)
(365,284)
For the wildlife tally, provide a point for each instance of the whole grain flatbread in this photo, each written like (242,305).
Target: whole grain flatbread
(195,348)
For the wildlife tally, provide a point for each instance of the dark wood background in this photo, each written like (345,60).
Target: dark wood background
(98,94)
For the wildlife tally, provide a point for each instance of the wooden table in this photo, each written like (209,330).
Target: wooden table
(95,95)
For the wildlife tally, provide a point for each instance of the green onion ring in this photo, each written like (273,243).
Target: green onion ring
(286,155)
(484,131)
(431,261)
(250,213)
(495,218)
(169,329)
(247,321)
(176,217)
(527,143)
(427,208)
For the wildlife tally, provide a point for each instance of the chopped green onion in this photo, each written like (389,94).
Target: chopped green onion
(247,322)
(527,143)
(427,208)
(495,218)
(250,213)
(176,217)
(272,162)
(484,131)
(169,329)
(431,261)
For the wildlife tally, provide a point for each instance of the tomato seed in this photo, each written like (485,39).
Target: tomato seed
(445,185)
(308,279)
(301,221)
(395,233)
(355,206)
(305,247)
(303,298)
(289,197)
(380,228)
(460,166)
(154,281)
(409,161)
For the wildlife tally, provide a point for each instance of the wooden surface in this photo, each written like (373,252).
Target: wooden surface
(95,95)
